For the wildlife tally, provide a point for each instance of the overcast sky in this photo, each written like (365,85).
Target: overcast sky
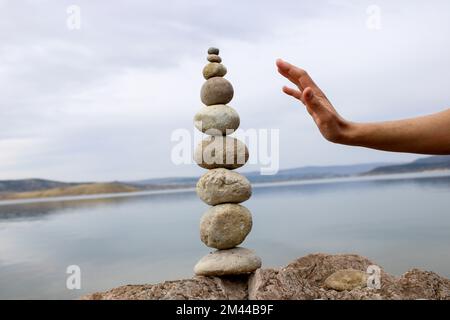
(101,102)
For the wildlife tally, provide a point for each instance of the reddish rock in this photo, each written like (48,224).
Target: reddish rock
(302,279)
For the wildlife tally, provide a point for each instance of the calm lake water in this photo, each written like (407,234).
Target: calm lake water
(398,223)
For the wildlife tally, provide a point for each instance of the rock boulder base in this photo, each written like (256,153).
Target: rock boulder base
(302,279)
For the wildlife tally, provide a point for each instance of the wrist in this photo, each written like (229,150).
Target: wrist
(350,131)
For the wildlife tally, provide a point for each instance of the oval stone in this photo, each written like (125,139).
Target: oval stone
(228,262)
(217,120)
(221,152)
(216,90)
(213,50)
(225,226)
(214,58)
(223,186)
(214,69)
(346,279)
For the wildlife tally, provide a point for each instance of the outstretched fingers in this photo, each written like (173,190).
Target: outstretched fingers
(296,75)
(293,93)
(308,92)
(312,102)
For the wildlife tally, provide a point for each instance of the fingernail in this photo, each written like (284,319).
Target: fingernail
(309,94)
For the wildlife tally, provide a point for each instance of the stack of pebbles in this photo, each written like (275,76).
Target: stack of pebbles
(227,223)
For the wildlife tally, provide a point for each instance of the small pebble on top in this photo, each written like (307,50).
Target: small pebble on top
(213,50)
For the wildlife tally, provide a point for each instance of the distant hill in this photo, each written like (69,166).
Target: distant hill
(433,160)
(310,172)
(24,185)
(77,190)
(315,172)
(158,182)
(419,165)
(39,188)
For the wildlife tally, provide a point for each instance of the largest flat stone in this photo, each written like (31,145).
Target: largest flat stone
(228,262)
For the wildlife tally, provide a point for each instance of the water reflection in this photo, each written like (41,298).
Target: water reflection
(398,223)
(38,210)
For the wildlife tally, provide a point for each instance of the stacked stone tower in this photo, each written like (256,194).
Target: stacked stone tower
(226,224)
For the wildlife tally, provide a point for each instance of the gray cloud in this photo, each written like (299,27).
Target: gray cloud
(101,102)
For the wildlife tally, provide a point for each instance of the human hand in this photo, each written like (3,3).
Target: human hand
(332,126)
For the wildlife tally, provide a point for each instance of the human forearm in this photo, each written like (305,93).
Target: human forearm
(426,135)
